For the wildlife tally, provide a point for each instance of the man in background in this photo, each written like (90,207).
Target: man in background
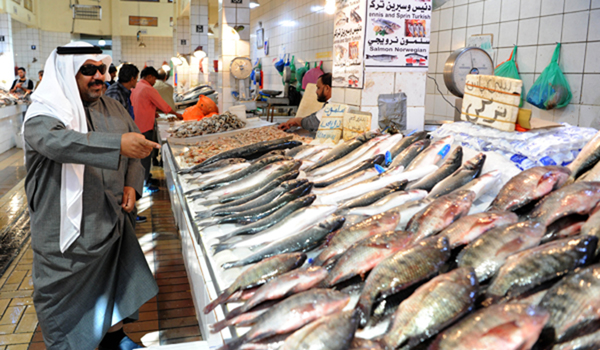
(40,76)
(112,70)
(165,90)
(311,122)
(121,90)
(146,100)
(22,85)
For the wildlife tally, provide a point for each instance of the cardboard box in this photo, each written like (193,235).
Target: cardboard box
(492,101)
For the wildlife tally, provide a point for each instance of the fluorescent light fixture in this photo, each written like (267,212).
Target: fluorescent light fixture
(316,8)
(254,4)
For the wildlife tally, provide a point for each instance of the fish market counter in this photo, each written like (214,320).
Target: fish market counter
(164,126)
(203,282)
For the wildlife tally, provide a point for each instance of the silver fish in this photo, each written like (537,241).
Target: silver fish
(467,172)
(587,158)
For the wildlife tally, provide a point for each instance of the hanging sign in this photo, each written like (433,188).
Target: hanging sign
(348,44)
(397,34)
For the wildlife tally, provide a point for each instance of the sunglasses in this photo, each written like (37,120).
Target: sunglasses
(90,69)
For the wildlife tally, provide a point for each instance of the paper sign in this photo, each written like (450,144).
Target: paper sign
(492,101)
(355,123)
(348,44)
(330,129)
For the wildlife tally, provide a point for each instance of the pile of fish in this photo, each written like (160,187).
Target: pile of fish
(379,243)
(210,125)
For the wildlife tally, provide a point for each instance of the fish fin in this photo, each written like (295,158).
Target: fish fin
(511,246)
(503,331)
(221,247)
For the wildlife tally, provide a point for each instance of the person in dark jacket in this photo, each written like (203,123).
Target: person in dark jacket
(21,85)
(121,90)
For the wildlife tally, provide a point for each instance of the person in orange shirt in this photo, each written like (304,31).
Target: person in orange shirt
(146,100)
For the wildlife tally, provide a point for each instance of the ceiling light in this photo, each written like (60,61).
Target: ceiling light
(101,42)
(288,23)
(316,8)
(165,66)
(176,60)
(235,34)
(330,7)
(254,4)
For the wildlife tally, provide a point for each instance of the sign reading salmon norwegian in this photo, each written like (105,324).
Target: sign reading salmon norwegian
(397,34)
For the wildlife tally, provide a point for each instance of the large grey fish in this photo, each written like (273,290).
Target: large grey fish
(411,152)
(406,142)
(259,274)
(574,304)
(254,167)
(442,212)
(529,185)
(432,307)
(271,220)
(233,207)
(468,228)
(451,165)
(293,151)
(343,239)
(592,175)
(389,202)
(433,154)
(252,151)
(343,149)
(260,212)
(289,283)
(308,306)
(585,342)
(333,332)
(302,242)
(592,226)
(243,196)
(217,165)
(278,152)
(374,196)
(586,159)
(367,164)
(246,319)
(361,176)
(467,172)
(498,327)
(529,268)
(577,198)
(409,210)
(488,253)
(251,183)
(401,270)
(292,225)
(365,254)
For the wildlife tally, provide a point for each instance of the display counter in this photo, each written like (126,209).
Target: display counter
(165,126)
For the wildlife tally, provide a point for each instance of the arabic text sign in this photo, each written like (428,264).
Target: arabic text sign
(348,44)
(492,101)
(330,128)
(356,123)
(397,34)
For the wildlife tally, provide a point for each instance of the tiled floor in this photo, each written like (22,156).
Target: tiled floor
(168,318)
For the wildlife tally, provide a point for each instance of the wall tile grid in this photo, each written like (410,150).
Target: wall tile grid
(157,51)
(294,27)
(535,26)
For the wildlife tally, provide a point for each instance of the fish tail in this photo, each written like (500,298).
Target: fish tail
(203,214)
(219,326)
(221,247)
(220,300)
(364,311)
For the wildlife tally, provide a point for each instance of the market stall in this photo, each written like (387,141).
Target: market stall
(334,228)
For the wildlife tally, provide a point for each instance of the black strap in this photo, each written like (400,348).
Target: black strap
(78,50)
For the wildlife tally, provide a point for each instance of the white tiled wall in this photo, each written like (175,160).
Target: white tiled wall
(296,26)
(157,51)
(535,26)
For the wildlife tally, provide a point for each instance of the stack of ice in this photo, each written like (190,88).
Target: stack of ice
(554,146)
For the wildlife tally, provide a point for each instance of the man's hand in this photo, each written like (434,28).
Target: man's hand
(134,145)
(290,123)
(178,115)
(128,203)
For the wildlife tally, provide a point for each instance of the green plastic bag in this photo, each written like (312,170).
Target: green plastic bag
(293,71)
(300,74)
(551,89)
(510,69)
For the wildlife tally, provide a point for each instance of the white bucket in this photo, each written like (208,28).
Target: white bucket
(239,111)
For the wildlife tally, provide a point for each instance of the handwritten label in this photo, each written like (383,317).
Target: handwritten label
(356,123)
(492,101)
